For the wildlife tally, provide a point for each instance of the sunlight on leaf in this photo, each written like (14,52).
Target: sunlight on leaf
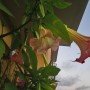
(56,26)
(42,10)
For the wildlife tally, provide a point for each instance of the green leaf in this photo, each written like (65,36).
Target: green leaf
(57,27)
(54,85)
(10,86)
(61,4)
(50,70)
(28,70)
(24,19)
(49,8)
(42,9)
(38,86)
(25,58)
(20,75)
(4,9)
(46,86)
(2,49)
(33,58)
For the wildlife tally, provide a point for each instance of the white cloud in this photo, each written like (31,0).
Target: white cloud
(68,65)
(83,88)
(68,81)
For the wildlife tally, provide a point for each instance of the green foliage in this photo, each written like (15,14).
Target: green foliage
(10,86)
(42,9)
(50,70)
(25,58)
(41,80)
(22,76)
(61,4)
(46,86)
(50,4)
(2,48)
(4,9)
(32,57)
(38,86)
(36,12)
(56,26)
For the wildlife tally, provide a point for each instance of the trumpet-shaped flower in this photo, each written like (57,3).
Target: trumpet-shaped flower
(83,42)
(44,42)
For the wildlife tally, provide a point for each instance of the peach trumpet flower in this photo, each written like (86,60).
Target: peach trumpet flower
(44,42)
(83,42)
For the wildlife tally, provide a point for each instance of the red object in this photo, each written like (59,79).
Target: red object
(17,57)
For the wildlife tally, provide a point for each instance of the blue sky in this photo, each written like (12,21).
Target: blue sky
(73,75)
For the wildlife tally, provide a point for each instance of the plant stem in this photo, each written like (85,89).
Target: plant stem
(45,60)
(19,68)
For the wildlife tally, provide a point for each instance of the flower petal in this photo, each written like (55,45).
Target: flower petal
(83,42)
(35,43)
(46,41)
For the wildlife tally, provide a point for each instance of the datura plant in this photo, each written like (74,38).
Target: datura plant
(29,31)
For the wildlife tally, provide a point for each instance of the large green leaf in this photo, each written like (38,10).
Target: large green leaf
(10,86)
(57,27)
(33,58)
(4,9)
(50,70)
(2,49)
